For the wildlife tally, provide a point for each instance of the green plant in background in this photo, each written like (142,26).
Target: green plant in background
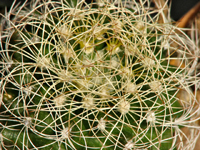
(93,76)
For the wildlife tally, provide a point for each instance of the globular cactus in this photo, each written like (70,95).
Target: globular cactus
(76,75)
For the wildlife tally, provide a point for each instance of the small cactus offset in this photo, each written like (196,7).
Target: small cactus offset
(77,75)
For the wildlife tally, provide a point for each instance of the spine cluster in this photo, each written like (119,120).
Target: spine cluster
(92,76)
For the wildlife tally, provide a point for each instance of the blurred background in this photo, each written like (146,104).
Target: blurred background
(180,7)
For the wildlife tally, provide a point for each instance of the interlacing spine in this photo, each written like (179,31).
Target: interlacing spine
(93,76)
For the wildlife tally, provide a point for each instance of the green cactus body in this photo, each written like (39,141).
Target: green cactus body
(91,76)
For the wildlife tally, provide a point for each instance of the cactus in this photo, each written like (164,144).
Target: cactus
(77,75)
